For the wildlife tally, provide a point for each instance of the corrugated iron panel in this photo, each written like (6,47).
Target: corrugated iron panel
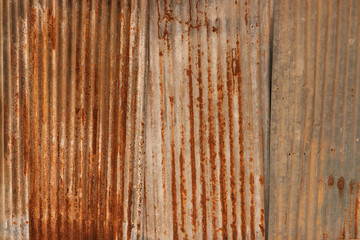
(133,119)
(207,119)
(72,99)
(315,120)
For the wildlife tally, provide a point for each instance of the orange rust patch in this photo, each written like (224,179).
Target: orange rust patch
(262,223)
(261,180)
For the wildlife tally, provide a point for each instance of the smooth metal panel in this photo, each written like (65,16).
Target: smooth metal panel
(315,161)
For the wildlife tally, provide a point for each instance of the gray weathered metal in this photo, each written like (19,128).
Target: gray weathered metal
(315,161)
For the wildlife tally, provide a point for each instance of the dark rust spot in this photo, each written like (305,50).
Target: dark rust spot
(262,223)
(340,185)
(261,180)
(331,181)
(351,185)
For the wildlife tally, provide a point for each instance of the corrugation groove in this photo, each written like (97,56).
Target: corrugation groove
(314,117)
(134,119)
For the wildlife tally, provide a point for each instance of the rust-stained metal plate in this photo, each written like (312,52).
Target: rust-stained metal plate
(133,119)
(206,119)
(315,133)
(72,74)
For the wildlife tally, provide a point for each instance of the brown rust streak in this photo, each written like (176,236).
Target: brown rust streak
(356,212)
(192,131)
(162,135)
(229,81)
(202,130)
(14,120)
(162,117)
(153,157)
(51,26)
(78,171)
(262,223)
(252,189)
(95,115)
(124,85)
(50,130)
(173,173)
(211,137)
(104,119)
(33,163)
(43,129)
(341,185)
(61,108)
(133,120)
(344,226)
(241,143)
(331,181)
(222,123)
(53,89)
(115,126)
(25,106)
(81,117)
(182,182)
(87,119)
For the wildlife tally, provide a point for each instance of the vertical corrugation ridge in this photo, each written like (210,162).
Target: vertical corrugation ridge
(356,127)
(2,120)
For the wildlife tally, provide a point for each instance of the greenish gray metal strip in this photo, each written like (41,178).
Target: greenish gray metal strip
(314,143)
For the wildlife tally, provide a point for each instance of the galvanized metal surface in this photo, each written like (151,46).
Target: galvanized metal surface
(134,119)
(315,157)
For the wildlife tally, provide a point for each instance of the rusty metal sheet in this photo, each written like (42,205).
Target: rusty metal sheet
(315,160)
(134,119)
(72,77)
(207,119)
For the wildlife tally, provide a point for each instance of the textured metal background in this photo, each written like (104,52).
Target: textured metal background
(134,119)
(315,133)
(207,118)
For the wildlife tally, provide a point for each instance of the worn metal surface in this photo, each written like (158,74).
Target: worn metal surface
(72,148)
(315,157)
(207,118)
(133,119)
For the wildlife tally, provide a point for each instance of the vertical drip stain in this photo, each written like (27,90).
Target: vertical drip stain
(192,133)
(252,188)
(162,117)
(173,173)
(33,165)
(124,83)
(229,81)
(356,217)
(201,129)
(241,150)
(222,157)
(183,191)
(211,135)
